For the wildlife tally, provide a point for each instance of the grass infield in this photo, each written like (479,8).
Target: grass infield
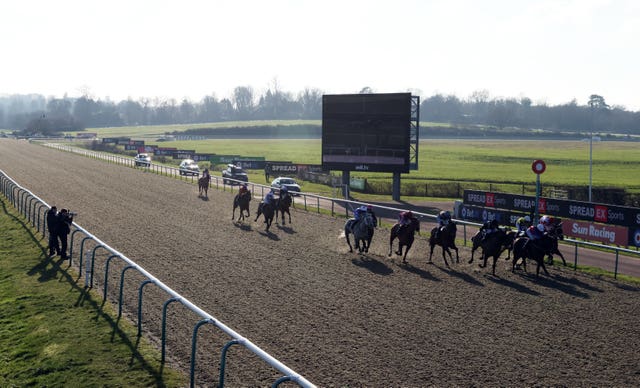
(55,333)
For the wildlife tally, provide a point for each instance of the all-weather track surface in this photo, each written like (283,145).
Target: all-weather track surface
(337,318)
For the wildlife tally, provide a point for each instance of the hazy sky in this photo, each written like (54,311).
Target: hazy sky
(548,50)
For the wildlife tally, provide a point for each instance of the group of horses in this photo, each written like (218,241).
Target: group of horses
(281,206)
(521,246)
(491,245)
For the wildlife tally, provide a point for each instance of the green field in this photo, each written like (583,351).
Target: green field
(614,163)
(54,332)
(498,165)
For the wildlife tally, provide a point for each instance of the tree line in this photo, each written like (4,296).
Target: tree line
(36,114)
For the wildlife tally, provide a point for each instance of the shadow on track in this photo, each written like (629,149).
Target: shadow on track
(372,265)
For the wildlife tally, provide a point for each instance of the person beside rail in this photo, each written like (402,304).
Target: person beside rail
(52,226)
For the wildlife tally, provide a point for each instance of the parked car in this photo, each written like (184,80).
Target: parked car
(233,172)
(142,160)
(289,183)
(189,167)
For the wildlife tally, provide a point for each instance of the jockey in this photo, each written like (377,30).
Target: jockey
(535,232)
(547,222)
(243,189)
(404,219)
(269,198)
(489,227)
(357,216)
(284,191)
(359,212)
(522,224)
(205,173)
(443,218)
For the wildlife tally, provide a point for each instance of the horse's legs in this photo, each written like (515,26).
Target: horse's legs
(404,258)
(346,234)
(432,245)
(445,250)
(541,264)
(495,260)
(473,249)
(564,262)
(399,251)
(484,260)
(392,237)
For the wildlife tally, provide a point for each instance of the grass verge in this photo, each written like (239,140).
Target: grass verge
(53,332)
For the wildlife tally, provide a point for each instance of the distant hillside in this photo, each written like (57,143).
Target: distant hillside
(313,131)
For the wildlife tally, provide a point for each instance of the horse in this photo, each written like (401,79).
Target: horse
(405,236)
(268,210)
(555,233)
(524,248)
(282,206)
(241,201)
(203,185)
(507,243)
(362,231)
(492,246)
(446,238)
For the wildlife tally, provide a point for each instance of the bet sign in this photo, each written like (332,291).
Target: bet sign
(538,166)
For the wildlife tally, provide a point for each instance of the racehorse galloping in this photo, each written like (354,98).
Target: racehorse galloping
(507,243)
(492,246)
(268,210)
(446,239)
(405,236)
(203,185)
(362,231)
(282,206)
(241,201)
(525,248)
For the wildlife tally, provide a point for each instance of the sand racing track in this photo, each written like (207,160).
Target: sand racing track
(339,319)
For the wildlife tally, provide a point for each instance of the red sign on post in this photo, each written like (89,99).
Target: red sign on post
(538,166)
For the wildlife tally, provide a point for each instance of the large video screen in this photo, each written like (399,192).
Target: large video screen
(366,132)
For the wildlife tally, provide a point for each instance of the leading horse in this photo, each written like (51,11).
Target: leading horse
(446,238)
(362,231)
(524,248)
(241,200)
(405,235)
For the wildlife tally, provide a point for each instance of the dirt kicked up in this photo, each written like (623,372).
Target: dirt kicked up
(339,319)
